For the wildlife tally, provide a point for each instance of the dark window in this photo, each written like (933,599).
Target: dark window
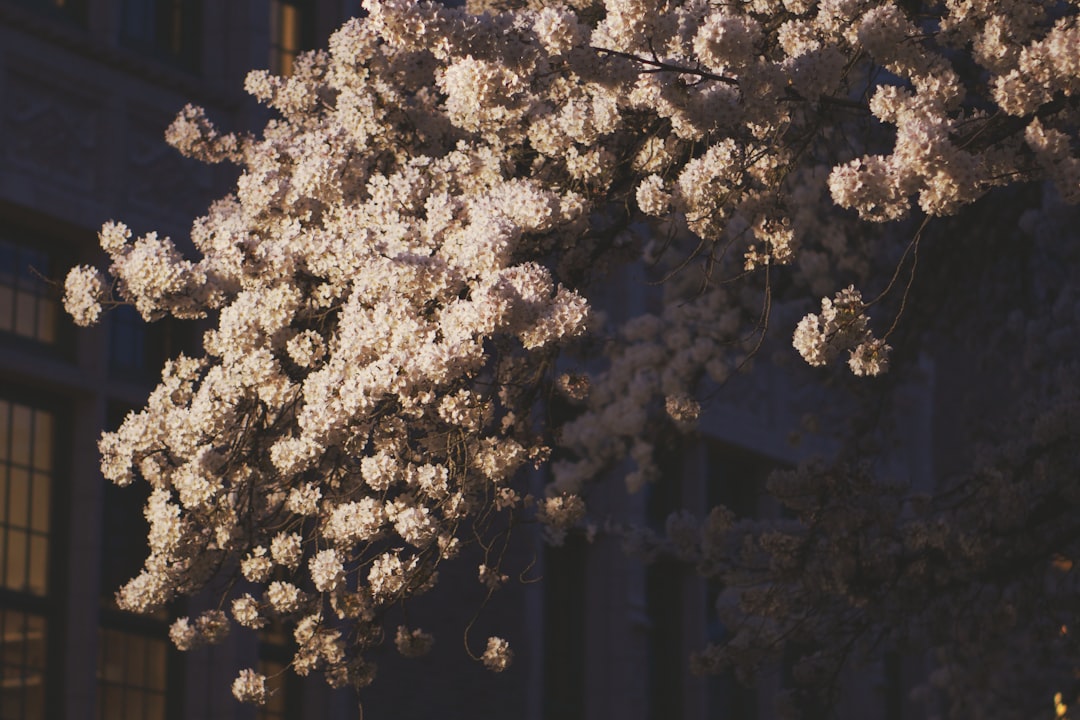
(736,480)
(169,30)
(292,30)
(564,630)
(138,349)
(29,307)
(127,341)
(124,544)
(664,579)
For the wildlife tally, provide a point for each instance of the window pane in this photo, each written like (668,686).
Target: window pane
(112,703)
(124,532)
(155,664)
(39,564)
(39,503)
(9,263)
(134,660)
(35,625)
(127,340)
(35,697)
(111,668)
(290,29)
(155,707)
(11,702)
(133,704)
(7,308)
(46,327)
(15,563)
(25,313)
(5,426)
(18,497)
(21,424)
(43,431)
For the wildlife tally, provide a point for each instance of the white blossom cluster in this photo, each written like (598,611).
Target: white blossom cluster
(497,655)
(250,686)
(413,236)
(841,326)
(83,293)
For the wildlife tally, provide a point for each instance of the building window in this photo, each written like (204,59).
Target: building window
(564,629)
(167,29)
(664,578)
(27,435)
(124,545)
(292,30)
(737,479)
(138,349)
(127,341)
(26,467)
(22,687)
(28,302)
(132,677)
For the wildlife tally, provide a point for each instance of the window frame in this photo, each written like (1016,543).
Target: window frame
(51,605)
(24,238)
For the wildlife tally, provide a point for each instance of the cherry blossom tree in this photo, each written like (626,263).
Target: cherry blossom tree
(401,292)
